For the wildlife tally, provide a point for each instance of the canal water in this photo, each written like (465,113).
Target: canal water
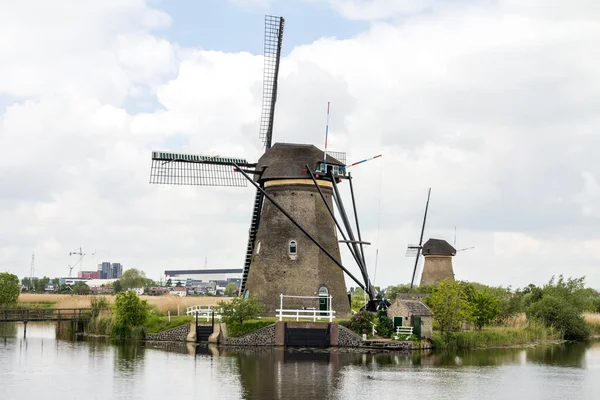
(66,367)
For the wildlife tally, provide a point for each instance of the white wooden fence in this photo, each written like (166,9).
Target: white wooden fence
(305,313)
(204,312)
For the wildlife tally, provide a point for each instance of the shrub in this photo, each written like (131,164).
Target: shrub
(560,314)
(385,326)
(239,309)
(361,322)
(9,289)
(130,312)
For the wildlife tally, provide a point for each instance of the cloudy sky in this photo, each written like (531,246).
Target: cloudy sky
(494,104)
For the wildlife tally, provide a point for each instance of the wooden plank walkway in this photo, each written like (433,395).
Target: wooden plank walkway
(45,314)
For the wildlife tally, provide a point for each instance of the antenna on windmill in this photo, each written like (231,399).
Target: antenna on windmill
(415,250)
(326,134)
(466,248)
(31,271)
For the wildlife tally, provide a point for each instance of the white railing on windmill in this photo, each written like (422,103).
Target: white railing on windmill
(310,312)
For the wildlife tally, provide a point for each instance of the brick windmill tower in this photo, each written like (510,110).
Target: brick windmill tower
(292,242)
(438,262)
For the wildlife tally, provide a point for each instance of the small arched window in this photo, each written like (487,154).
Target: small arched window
(293,249)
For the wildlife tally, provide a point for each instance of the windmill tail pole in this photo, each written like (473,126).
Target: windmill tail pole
(362,161)
(326,135)
(421,238)
(312,176)
(293,221)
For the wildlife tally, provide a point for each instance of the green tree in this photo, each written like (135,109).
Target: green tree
(81,288)
(230,289)
(9,289)
(169,282)
(133,278)
(130,313)
(117,287)
(239,309)
(484,307)
(449,305)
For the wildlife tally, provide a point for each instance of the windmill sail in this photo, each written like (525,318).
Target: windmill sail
(197,170)
(418,248)
(272,56)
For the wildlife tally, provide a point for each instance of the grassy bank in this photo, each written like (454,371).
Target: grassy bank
(162,304)
(496,337)
(515,331)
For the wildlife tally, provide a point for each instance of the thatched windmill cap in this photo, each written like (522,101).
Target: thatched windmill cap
(438,247)
(288,161)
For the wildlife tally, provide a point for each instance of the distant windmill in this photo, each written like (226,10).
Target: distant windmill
(415,250)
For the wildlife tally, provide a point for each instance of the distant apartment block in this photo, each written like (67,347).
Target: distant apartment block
(108,270)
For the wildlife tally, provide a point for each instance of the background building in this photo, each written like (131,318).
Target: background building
(108,270)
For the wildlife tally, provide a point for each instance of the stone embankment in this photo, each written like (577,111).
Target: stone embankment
(262,337)
(177,334)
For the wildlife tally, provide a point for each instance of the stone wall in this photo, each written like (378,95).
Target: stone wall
(177,334)
(262,337)
(347,338)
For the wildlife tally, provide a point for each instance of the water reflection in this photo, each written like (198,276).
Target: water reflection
(65,364)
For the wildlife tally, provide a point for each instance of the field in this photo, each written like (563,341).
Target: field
(161,303)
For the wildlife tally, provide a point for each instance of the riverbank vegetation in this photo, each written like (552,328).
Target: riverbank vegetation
(468,315)
(162,304)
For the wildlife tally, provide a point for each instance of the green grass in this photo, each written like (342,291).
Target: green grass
(496,337)
(237,330)
(157,323)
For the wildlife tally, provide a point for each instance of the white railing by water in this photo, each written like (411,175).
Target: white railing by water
(204,312)
(305,313)
(404,330)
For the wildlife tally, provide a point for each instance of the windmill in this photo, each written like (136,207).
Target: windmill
(292,244)
(415,250)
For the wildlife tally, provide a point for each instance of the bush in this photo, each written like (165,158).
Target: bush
(361,322)
(561,315)
(130,312)
(385,326)
(9,289)
(239,309)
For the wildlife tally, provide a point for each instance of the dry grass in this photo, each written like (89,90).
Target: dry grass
(592,318)
(515,321)
(161,303)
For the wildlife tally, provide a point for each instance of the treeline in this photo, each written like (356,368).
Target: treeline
(558,304)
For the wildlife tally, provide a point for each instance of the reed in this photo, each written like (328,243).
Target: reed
(593,321)
(501,336)
(163,304)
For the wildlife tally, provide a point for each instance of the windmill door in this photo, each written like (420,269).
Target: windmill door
(323,300)
(416,323)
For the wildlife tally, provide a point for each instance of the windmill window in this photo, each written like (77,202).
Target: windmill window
(293,249)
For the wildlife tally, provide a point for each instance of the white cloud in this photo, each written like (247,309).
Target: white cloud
(493,106)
